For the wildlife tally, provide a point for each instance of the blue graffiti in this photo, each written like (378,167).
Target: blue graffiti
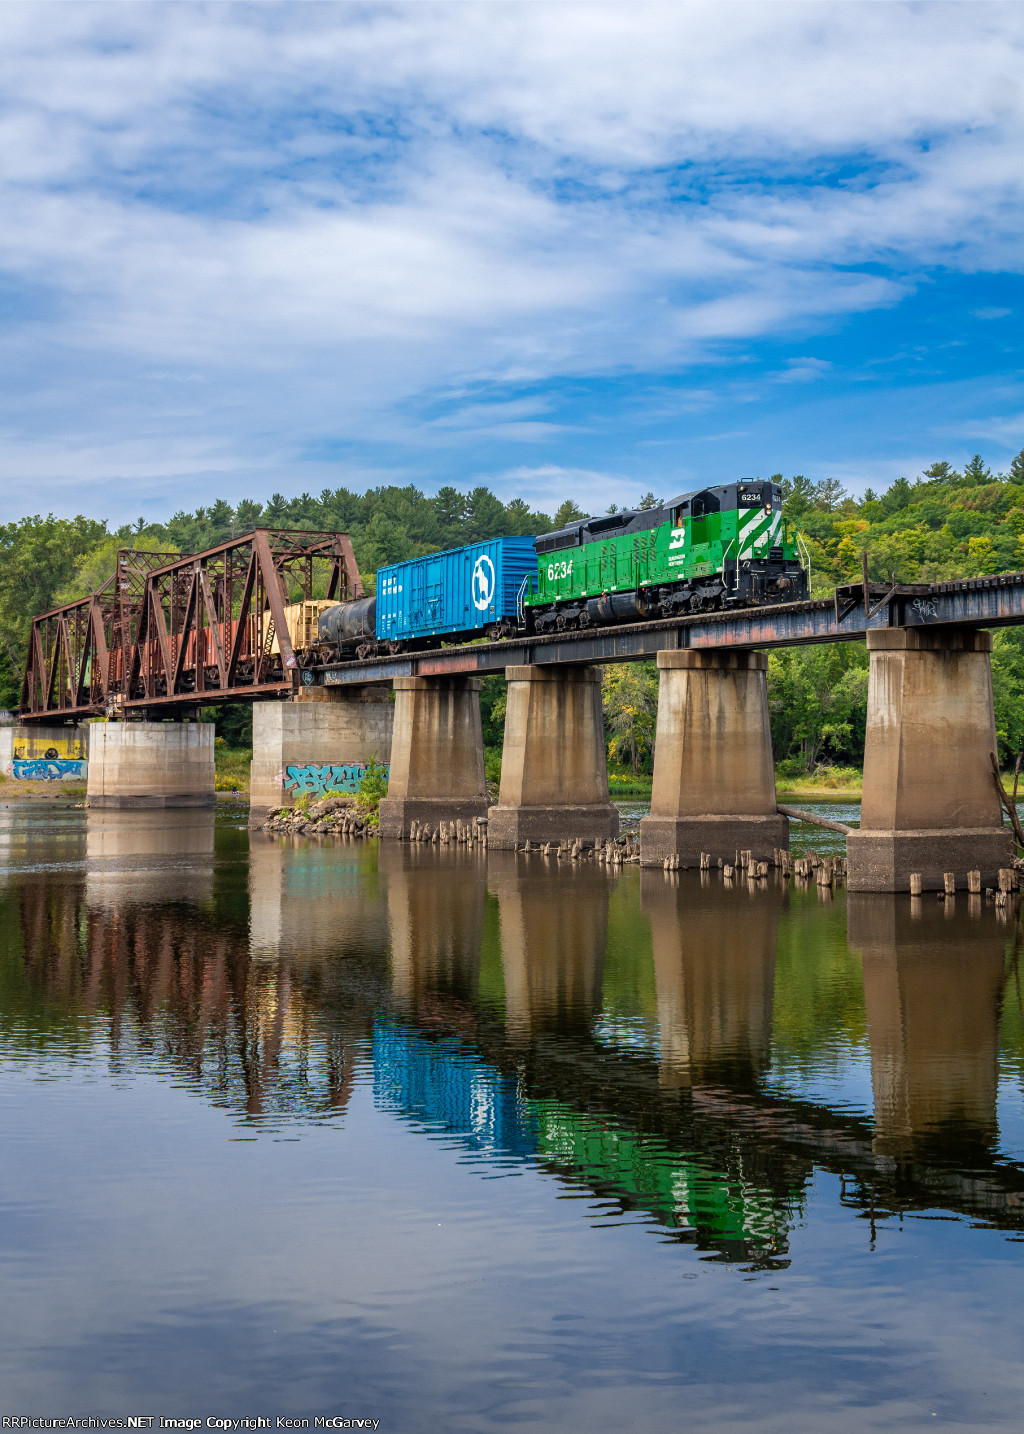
(46,769)
(317,779)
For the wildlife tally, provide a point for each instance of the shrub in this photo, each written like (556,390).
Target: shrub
(372,789)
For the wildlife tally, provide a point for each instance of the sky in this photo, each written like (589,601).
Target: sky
(563,250)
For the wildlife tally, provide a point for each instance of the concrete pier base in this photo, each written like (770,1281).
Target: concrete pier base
(929,803)
(714,775)
(319,741)
(437,755)
(554,768)
(721,837)
(150,764)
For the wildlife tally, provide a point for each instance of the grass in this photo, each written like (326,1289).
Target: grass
(622,783)
(231,767)
(17,790)
(843,782)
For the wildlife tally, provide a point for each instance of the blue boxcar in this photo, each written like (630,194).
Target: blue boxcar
(463,590)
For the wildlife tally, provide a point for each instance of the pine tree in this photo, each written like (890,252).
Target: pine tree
(942,473)
(798,494)
(975,472)
(568,513)
(1016,473)
(830,494)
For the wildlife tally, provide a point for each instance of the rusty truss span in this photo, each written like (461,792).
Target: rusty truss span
(166,634)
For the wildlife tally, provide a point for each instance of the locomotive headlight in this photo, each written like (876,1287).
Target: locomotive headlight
(767,507)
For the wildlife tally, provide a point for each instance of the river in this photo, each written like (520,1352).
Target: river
(465,1141)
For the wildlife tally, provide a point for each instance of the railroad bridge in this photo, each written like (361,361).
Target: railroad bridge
(167,636)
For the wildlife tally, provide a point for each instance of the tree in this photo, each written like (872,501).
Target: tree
(568,513)
(648,501)
(896,497)
(798,495)
(975,472)
(97,565)
(630,697)
(1016,472)
(942,472)
(485,516)
(829,494)
(38,558)
(817,697)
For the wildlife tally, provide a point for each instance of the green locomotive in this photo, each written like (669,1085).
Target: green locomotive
(704,550)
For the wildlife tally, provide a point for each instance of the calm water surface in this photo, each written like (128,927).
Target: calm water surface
(463,1142)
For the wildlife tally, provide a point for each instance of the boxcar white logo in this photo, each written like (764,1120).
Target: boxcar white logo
(483,582)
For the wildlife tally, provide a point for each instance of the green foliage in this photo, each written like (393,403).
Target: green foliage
(1008,690)
(492,710)
(630,698)
(233,724)
(372,789)
(975,473)
(817,698)
(38,558)
(96,565)
(568,513)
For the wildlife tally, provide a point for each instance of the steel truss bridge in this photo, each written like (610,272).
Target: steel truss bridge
(167,634)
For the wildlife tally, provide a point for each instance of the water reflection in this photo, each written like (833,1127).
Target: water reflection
(312,899)
(470,989)
(714,966)
(148,856)
(435,906)
(554,930)
(933,989)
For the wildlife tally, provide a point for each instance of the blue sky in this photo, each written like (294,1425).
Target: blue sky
(563,250)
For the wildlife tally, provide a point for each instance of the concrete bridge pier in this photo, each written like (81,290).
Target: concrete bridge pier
(319,741)
(554,768)
(930,803)
(714,775)
(437,754)
(150,764)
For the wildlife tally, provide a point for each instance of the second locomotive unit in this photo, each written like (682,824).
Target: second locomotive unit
(717,547)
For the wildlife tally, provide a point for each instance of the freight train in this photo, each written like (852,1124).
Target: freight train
(727,546)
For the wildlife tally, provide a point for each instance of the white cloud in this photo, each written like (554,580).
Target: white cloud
(323,217)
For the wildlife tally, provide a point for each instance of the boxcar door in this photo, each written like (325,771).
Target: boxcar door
(433,590)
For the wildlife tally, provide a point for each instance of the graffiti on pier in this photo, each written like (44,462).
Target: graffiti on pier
(316,779)
(46,769)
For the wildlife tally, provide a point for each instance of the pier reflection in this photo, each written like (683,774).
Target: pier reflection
(313,899)
(933,988)
(554,932)
(435,911)
(148,856)
(714,967)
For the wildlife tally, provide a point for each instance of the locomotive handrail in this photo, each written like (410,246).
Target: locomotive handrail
(805,553)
